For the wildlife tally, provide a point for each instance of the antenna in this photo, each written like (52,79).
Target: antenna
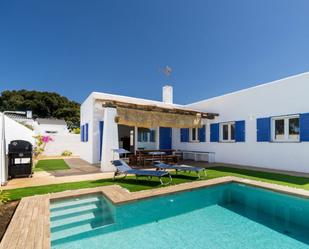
(167,71)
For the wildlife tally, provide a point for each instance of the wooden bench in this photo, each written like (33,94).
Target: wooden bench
(199,156)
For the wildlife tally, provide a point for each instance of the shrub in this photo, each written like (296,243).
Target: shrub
(40,144)
(76,130)
(66,153)
(4,197)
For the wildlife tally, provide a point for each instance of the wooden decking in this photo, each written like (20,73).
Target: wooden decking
(30,226)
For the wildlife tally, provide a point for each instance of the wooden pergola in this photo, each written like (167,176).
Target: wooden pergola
(156,108)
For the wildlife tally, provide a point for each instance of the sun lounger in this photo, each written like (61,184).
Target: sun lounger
(185,168)
(124,169)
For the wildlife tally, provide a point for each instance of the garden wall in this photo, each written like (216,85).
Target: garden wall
(60,143)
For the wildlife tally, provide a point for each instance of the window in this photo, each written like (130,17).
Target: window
(146,135)
(194,135)
(142,136)
(227,132)
(285,129)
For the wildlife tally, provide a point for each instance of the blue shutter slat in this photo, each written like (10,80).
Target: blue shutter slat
(101,128)
(202,134)
(263,130)
(304,127)
(214,132)
(139,136)
(152,135)
(184,135)
(86,132)
(240,127)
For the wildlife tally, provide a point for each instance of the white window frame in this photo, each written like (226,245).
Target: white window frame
(229,140)
(196,140)
(286,135)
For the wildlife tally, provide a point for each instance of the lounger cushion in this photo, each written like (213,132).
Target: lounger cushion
(177,167)
(125,168)
(147,172)
(121,165)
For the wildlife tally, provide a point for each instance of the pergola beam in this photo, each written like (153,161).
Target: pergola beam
(155,108)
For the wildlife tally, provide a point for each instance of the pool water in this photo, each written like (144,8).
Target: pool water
(223,216)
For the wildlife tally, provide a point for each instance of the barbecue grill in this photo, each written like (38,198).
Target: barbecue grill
(20,159)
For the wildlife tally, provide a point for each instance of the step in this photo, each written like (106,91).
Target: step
(71,201)
(72,205)
(84,216)
(78,227)
(77,209)
(95,221)
(78,235)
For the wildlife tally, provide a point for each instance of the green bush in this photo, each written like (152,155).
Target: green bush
(66,153)
(4,197)
(76,130)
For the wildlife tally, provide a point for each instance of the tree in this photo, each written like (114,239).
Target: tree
(42,105)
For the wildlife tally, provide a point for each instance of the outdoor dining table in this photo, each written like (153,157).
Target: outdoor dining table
(153,155)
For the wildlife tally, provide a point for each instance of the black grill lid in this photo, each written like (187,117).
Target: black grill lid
(20,146)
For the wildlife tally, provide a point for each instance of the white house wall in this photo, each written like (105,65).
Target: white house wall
(287,96)
(87,112)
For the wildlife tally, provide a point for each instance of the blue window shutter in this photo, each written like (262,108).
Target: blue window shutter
(82,133)
(184,135)
(240,127)
(152,135)
(165,134)
(202,134)
(263,130)
(304,127)
(101,128)
(86,132)
(214,132)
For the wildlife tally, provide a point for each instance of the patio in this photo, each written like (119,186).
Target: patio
(79,170)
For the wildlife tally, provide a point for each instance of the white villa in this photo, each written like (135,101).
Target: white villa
(264,126)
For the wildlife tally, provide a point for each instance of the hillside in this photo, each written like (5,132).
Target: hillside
(42,104)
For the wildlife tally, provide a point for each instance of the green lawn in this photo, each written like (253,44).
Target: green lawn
(51,164)
(135,185)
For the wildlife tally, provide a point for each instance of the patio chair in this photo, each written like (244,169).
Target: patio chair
(185,168)
(122,168)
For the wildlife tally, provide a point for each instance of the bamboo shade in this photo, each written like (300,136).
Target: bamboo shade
(150,119)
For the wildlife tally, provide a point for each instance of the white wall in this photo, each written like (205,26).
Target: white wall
(42,128)
(87,111)
(16,131)
(287,96)
(60,143)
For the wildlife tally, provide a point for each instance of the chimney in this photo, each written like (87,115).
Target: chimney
(167,94)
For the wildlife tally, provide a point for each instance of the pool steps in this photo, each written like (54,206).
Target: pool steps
(78,216)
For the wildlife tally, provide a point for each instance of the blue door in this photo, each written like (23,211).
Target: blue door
(165,138)
(101,127)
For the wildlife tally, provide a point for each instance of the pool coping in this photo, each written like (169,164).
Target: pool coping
(30,225)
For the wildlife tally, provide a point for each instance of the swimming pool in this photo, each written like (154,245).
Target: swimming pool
(229,215)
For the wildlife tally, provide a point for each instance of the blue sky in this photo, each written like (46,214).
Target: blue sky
(75,47)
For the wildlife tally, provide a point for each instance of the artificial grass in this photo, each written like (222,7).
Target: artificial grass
(50,165)
(132,184)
